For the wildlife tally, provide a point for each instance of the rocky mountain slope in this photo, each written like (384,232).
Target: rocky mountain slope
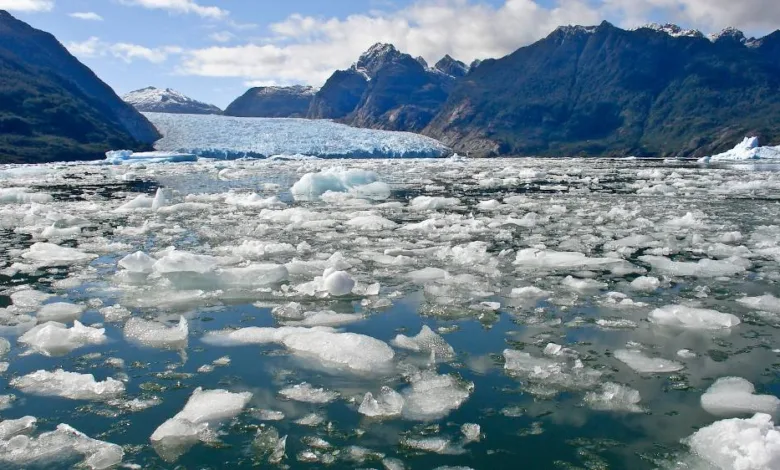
(53,108)
(156,100)
(273,102)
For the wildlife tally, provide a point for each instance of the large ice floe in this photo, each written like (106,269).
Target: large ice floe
(389,313)
(205,136)
(748,149)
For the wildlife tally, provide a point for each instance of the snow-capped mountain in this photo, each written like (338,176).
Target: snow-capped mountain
(449,66)
(674,31)
(156,100)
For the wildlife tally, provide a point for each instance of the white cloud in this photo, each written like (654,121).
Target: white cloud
(758,15)
(27,5)
(89,16)
(126,52)
(222,36)
(180,6)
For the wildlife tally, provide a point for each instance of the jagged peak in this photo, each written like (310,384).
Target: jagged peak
(729,34)
(377,51)
(673,30)
(292,90)
(575,29)
(450,66)
(422,62)
(375,57)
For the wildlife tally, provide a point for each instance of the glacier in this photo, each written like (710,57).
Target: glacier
(225,137)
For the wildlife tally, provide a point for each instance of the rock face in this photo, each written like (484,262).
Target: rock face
(386,89)
(273,102)
(156,100)
(54,108)
(657,90)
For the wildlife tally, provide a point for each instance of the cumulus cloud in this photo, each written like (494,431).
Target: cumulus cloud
(89,16)
(307,49)
(222,36)
(27,5)
(126,52)
(180,6)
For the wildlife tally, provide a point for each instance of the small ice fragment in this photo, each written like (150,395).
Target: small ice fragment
(426,341)
(694,318)
(338,283)
(686,354)
(433,396)
(471,432)
(645,284)
(766,303)
(60,312)
(644,364)
(70,385)
(437,445)
(49,254)
(735,396)
(529,293)
(387,403)
(615,397)
(54,338)
(583,285)
(138,262)
(306,393)
(155,334)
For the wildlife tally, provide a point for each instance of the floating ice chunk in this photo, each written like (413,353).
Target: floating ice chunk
(306,393)
(426,341)
(563,373)
(371,223)
(645,284)
(644,364)
(197,421)
(735,396)
(115,313)
(615,397)
(254,275)
(23,196)
(739,444)
(530,293)
(56,446)
(583,285)
(338,283)
(689,220)
(156,334)
(387,403)
(436,445)
(256,249)
(433,396)
(312,186)
(490,205)
(60,312)
(333,349)
(5,347)
(534,258)
(426,275)
(139,262)
(6,401)
(471,432)
(766,303)
(254,201)
(29,300)
(15,427)
(703,268)
(184,262)
(686,354)
(139,202)
(70,385)
(748,149)
(268,444)
(432,203)
(49,254)
(161,199)
(694,318)
(52,339)
(376,191)
(326,318)
(125,157)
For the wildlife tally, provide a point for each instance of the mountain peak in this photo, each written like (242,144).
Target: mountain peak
(730,34)
(168,100)
(571,30)
(449,66)
(673,30)
(375,57)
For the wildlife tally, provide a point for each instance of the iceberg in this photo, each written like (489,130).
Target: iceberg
(126,157)
(744,444)
(748,149)
(312,186)
(227,137)
(52,338)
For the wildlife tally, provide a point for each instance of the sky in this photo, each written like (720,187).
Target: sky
(213,50)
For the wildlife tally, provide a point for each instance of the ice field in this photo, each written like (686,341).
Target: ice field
(390,314)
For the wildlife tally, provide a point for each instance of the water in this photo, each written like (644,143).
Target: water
(528,421)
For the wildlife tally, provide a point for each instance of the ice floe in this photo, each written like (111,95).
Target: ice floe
(645,364)
(694,318)
(735,396)
(70,385)
(53,339)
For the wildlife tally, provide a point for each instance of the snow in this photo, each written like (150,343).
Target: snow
(735,396)
(746,150)
(21,451)
(197,421)
(167,100)
(54,339)
(644,364)
(156,334)
(127,157)
(673,30)
(70,385)
(739,444)
(354,352)
(260,138)
(694,318)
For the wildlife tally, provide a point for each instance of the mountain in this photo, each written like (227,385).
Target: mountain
(386,89)
(53,108)
(155,100)
(601,90)
(449,66)
(273,102)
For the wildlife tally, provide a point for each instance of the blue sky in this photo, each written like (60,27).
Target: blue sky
(213,50)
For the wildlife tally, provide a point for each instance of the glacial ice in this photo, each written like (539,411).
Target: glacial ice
(766,303)
(431,396)
(694,318)
(739,444)
(312,186)
(156,334)
(197,421)
(426,341)
(531,258)
(615,397)
(53,339)
(23,196)
(386,404)
(70,385)
(60,312)
(748,149)
(735,396)
(703,268)
(548,376)
(49,254)
(260,138)
(352,351)
(126,157)
(644,364)
(306,393)
(50,448)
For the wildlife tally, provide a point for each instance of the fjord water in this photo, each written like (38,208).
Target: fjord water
(549,279)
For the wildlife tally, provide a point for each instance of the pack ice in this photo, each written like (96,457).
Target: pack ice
(205,136)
